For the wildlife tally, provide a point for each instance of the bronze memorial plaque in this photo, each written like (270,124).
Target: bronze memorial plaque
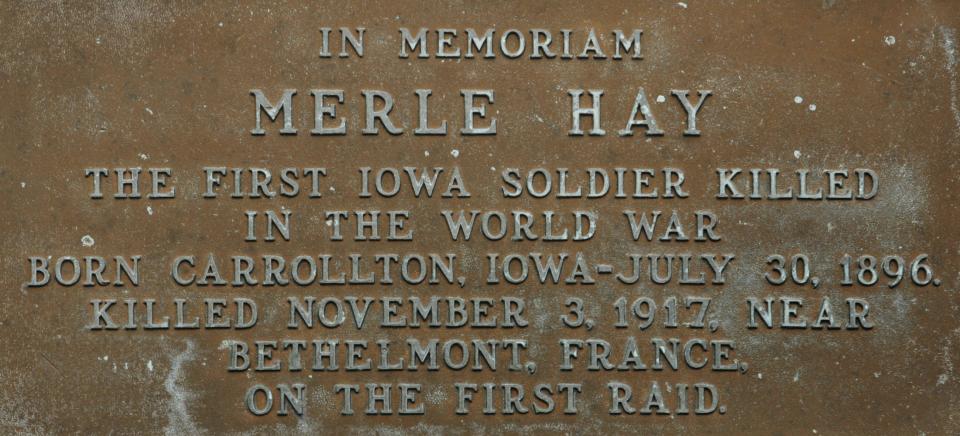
(496,217)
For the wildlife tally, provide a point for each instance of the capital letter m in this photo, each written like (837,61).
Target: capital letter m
(272,110)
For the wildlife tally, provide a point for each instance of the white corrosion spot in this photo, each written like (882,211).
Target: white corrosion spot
(149,210)
(426,153)
(143,156)
(87,241)
(23,184)
(812,107)
(889,40)
(178,414)
(436,396)
(798,99)
(455,152)
(661,99)
(682,5)
(150,365)
(149,111)
(796,154)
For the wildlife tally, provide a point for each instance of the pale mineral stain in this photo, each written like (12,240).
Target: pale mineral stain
(949,45)
(178,415)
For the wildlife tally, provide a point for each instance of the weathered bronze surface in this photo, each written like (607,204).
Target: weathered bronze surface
(795,85)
